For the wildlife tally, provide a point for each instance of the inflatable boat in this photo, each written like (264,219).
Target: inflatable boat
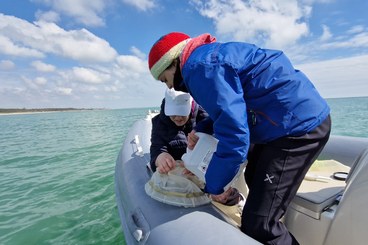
(330,207)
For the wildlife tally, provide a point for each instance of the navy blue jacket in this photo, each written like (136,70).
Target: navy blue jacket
(252,95)
(167,137)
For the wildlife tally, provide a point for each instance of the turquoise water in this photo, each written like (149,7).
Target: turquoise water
(349,116)
(56,176)
(57,172)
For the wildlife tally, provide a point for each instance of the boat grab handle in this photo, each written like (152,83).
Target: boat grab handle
(138,225)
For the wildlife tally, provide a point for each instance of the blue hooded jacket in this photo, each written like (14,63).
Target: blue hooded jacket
(252,95)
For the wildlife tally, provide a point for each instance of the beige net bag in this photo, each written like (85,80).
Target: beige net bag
(177,188)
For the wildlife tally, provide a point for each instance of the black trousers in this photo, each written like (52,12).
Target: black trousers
(274,173)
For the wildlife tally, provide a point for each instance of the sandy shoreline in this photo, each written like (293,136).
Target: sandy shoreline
(25,113)
(38,112)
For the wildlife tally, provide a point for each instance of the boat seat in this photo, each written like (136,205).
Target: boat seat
(318,192)
(349,225)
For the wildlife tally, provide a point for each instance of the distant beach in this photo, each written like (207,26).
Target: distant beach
(42,110)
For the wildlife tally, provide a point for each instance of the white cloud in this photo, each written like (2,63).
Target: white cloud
(64,91)
(79,45)
(87,12)
(35,39)
(132,64)
(29,83)
(274,23)
(7,65)
(111,89)
(359,40)
(87,75)
(318,1)
(43,67)
(340,77)
(137,52)
(89,88)
(326,35)
(142,5)
(40,81)
(7,47)
(352,42)
(48,16)
(356,29)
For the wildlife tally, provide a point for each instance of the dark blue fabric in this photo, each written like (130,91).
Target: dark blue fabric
(167,137)
(252,95)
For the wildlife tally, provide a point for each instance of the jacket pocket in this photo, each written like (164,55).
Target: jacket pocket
(255,117)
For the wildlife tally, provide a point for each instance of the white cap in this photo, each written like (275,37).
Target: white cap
(177,103)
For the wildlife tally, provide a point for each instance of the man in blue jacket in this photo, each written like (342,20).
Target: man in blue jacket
(262,109)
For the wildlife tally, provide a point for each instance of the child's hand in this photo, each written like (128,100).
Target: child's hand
(165,162)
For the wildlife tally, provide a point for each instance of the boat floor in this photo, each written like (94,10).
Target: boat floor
(315,192)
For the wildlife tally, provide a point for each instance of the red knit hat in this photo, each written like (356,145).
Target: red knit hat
(165,51)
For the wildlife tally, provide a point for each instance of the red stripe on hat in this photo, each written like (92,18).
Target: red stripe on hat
(163,45)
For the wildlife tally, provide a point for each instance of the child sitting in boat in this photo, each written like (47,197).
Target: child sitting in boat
(179,114)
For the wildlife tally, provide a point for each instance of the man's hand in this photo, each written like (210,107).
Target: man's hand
(192,140)
(164,163)
(230,197)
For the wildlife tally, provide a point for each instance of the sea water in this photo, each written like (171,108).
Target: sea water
(57,171)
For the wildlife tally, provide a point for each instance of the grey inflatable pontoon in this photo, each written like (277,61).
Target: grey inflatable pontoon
(325,211)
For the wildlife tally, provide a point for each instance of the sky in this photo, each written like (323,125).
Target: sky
(93,53)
